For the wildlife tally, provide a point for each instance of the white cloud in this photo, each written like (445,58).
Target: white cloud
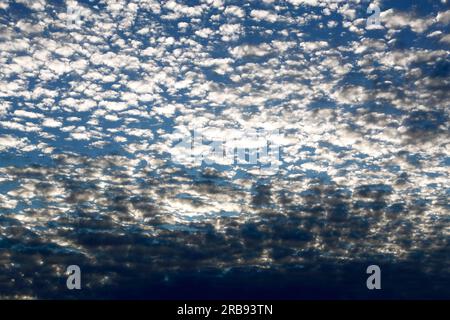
(80,136)
(397,20)
(443,17)
(37,5)
(9,141)
(445,39)
(51,123)
(204,33)
(248,50)
(4,4)
(27,114)
(264,15)
(235,11)
(231,32)
(114,105)
(183,9)
(305,2)
(313,45)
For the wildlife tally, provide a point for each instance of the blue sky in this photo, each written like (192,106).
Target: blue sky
(90,114)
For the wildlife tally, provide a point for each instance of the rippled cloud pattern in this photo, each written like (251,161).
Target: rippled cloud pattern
(95,95)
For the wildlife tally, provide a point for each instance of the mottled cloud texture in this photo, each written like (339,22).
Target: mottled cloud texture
(89,115)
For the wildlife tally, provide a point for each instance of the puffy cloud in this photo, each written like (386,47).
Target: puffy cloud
(264,15)
(305,2)
(9,141)
(445,39)
(27,114)
(204,33)
(231,32)
(443,17)
(38,5)
(313,45)
(51,123)
(397,20)
(235,11)
(248,50)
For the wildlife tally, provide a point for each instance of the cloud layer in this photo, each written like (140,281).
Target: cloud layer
(90,111)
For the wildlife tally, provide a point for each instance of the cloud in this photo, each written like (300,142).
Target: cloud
(231,32)
(88,117)
(248,50)
(445,39)
(204,33)
(9,142)
(51,123)
(393,19)
(235,11)
(313,45)
(27,114)
(305,2)
(38,5)
(443,17)
(264,15)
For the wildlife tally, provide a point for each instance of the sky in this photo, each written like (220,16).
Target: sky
(96,98)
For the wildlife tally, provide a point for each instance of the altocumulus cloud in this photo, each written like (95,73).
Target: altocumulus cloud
(89,112)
